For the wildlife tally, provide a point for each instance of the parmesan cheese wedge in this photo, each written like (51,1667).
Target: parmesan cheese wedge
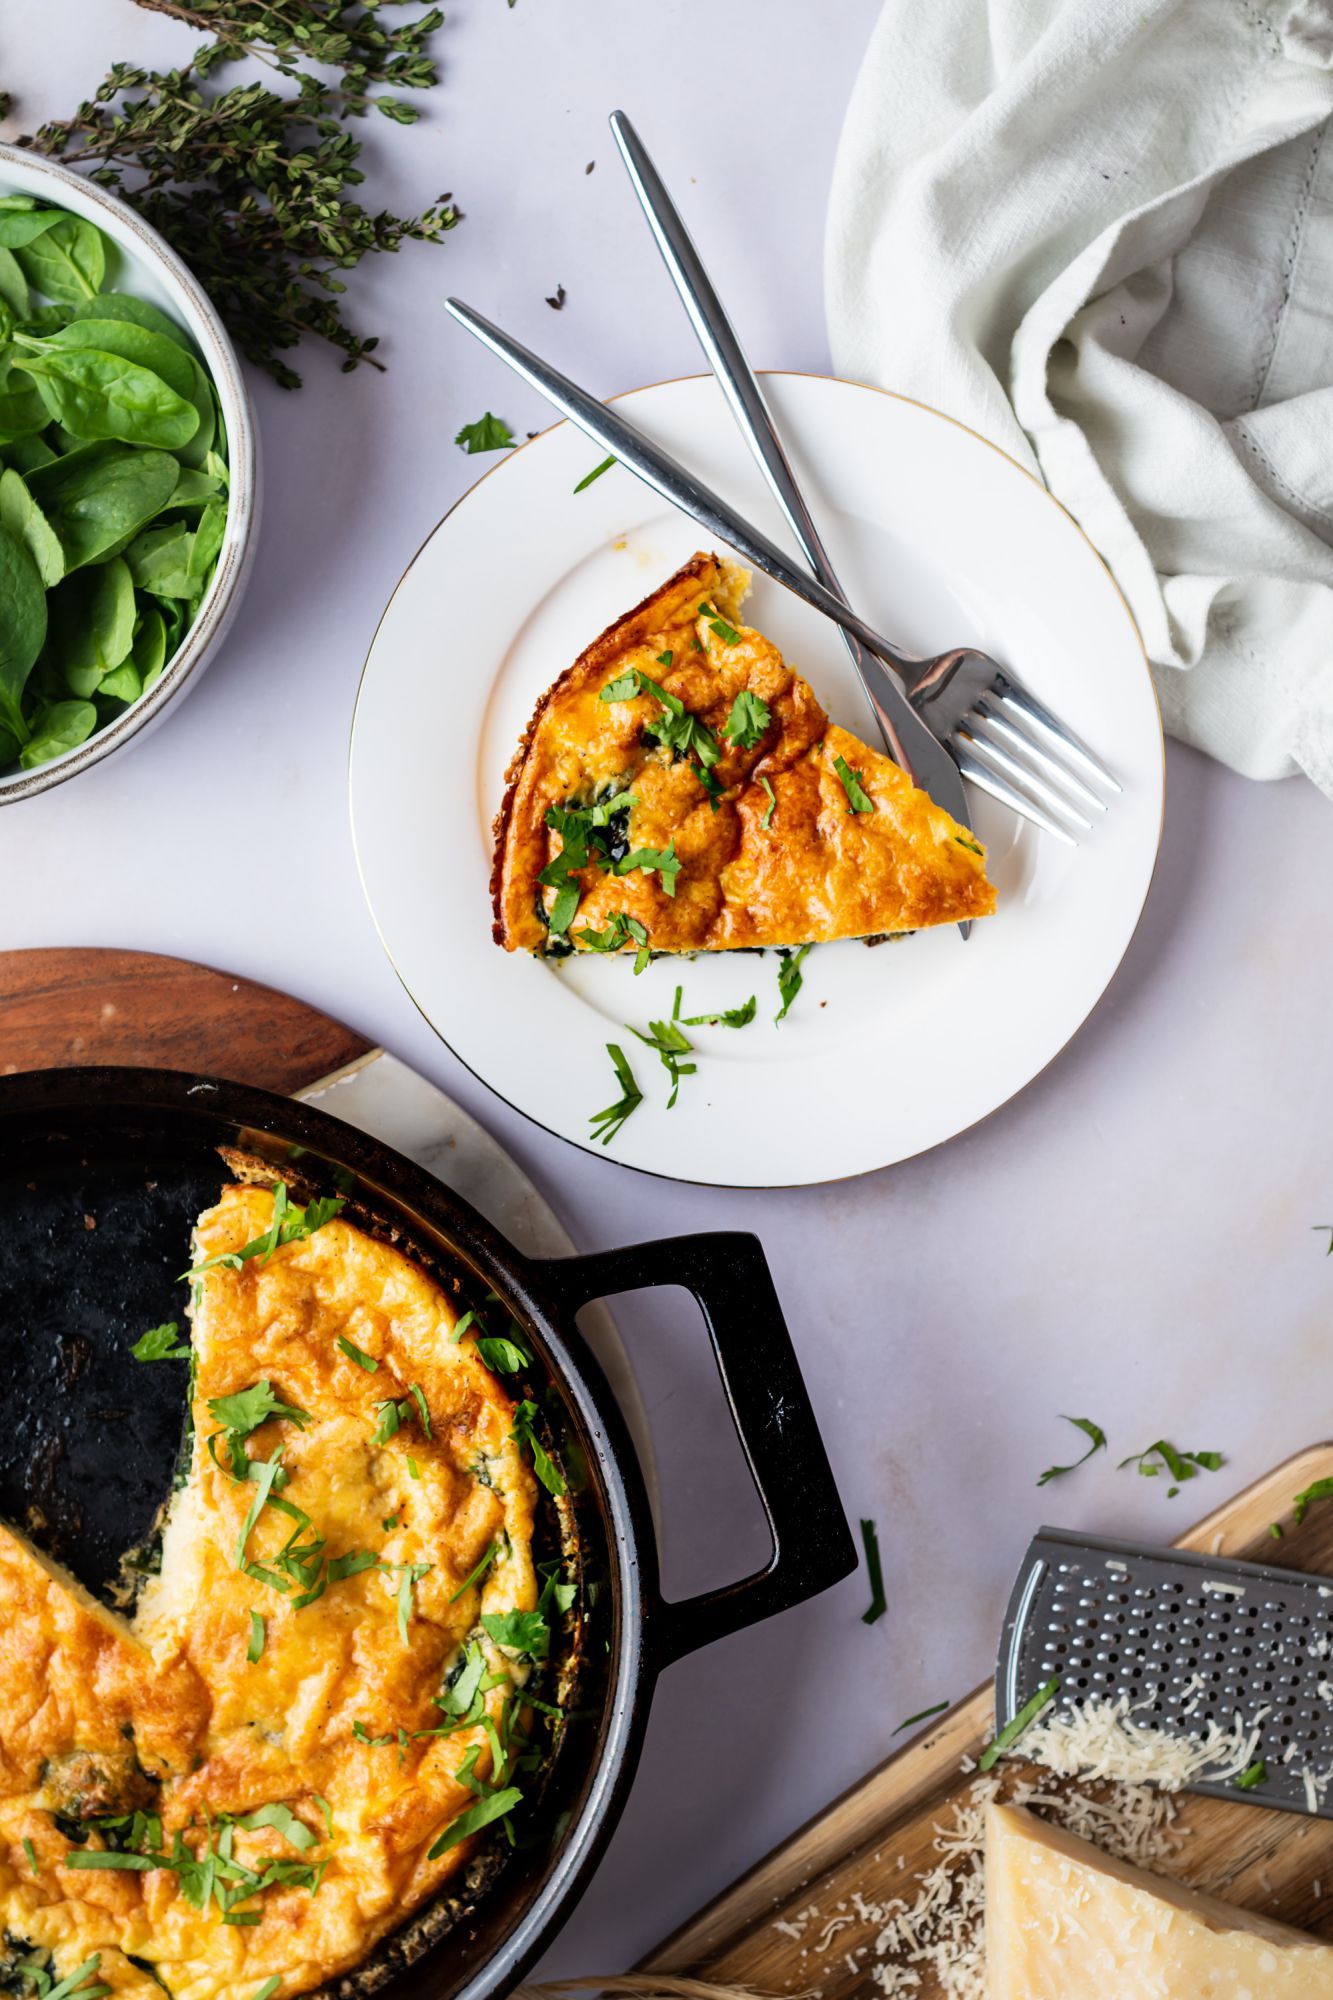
(1064,1920)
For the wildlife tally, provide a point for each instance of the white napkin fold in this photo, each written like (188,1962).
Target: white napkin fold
(1101,233)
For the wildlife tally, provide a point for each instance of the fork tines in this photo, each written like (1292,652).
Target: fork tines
(1011,746)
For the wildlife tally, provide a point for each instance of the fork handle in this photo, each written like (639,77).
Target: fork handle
(667,477)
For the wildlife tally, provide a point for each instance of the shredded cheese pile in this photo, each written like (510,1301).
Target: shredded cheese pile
(1098,1740)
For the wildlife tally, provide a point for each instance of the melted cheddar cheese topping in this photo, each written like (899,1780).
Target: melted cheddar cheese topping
(174,1715)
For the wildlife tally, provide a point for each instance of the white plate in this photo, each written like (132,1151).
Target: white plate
(941,540)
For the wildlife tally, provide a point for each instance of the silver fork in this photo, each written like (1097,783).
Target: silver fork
(1001,738)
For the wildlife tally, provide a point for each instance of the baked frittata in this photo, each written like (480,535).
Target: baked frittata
(318,1698)
(680,789)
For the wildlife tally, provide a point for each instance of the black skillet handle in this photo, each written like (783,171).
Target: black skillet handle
(728,1274)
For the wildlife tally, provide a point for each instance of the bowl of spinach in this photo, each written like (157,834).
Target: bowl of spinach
(127,475)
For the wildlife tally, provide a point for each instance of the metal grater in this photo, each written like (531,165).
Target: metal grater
(1108,1618)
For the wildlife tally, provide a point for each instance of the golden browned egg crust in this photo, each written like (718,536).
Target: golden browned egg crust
(174,1715)
(783,860)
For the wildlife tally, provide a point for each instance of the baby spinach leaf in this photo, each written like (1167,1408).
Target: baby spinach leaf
(137,312)
(96,394)
(98,497)
(67,261)
(25,454)
(159,561)
(60,726)
(207,540)
(22,411)
(22,628)
(93,616)
(20,226)
(150,647)
(24,519)
(123,684)
(13,284)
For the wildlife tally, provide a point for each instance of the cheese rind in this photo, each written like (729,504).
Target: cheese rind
(1064,1921)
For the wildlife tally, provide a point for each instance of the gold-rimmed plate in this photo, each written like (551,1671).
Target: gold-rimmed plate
(941,540)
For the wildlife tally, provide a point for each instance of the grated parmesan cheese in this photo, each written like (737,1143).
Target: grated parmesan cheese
(1097,1740)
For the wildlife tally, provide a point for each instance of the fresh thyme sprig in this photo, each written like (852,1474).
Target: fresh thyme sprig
(251,183)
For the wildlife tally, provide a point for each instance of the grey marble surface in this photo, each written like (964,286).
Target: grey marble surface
(1130,1240)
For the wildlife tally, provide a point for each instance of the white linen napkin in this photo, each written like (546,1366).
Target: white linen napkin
(1101,233)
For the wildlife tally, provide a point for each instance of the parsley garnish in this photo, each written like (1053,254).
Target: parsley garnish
(970,845)
(621,930)
(31,1853)
(921,1715)
(771,807)
(243,1413)
(671,1044)
(1089,1429)
(1254,1774)
(857,800)
(487,434)
(596,473)
(362,1735)
(664,659)
(291,1223)
(268,1989)
(502,1356)
(258,1633)
(474,1576)
(1322,1489)
(790,978)
(679,731)
(731,1017)
(72,1985)
(717,623)
(582,837)
(1013,1730)
(357,1354)
(662,861)
(523,1632)
(749,718)
(542,1463)
(1181,1465)
(605,1124)
(392,1416)
(493,1806)
(409,1576)
(161,1343)
(879,1603)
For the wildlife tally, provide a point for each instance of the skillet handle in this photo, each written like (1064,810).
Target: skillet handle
(728,1274)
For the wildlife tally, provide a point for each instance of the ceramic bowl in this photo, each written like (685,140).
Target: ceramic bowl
(152,271)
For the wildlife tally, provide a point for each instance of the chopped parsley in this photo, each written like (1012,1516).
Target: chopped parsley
(269,1987)
(1322,1489)
(134,1844)
(731,1017)
(623,929)
(393,1415)
(31,1853)
(74,1984)
(493,1806)
(1180,1465)
(675,728)
(291,1223)
(771,807)
(489,433)
(596,473)
(671,1044)
(502,1355)
(542,1463)
(254,1652)
(857,799)
(1254,1774)
(664,659)
(921,1715)
(717,623)
(161,1343)
(1014,1729)
(409,1576)
(662,861)
(357,1354)
(524,1632)
(605,1124)
(970,845)
(584,836)
(244,1412)
(879,1603)
(790,978)
(362,1735)
(1090,1430)
(475,1576)
(749,718)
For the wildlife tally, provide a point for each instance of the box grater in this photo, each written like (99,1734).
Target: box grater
(1180,1632)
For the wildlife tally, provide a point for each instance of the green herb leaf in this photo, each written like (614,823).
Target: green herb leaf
(475,1576)
(542,1463)
(1181,1465)
(244,1412)
(291,1224)
(409,1576)
(857,799)
(1322,1489)
(732,1017)
(623,929)
(31,1853)
(1090,1430)
(487,434)
(717,623)
(1014,1729)
(493,1807)
(524,1632)
(1254,1774)
(283,1820)
(661,861)
(503,1357)
(254,1652)
(769,809)
(671,1044)
(162,1343)
(749,718)
(879,1603)
(606,1124)
(790,978)
(355,1353)
(922,1714)
(970,845)
(597,470)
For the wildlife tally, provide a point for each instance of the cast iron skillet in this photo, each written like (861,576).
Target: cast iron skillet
(102,1172)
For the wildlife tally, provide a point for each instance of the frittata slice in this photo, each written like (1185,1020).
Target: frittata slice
(680,789)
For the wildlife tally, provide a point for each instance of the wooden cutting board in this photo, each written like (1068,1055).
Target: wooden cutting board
(1275,1862)
(65,1007)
